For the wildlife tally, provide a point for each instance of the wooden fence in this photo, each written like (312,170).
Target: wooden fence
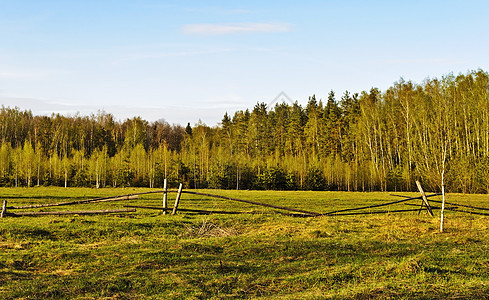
(371,209)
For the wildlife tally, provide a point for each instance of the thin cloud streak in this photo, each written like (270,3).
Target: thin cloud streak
(235,28)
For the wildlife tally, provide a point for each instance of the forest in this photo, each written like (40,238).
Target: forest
(368,141)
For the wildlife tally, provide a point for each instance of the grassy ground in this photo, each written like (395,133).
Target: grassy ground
(146,255)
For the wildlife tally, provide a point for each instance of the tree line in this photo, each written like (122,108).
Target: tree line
(365,141)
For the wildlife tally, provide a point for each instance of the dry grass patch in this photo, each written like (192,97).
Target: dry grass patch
(209,229)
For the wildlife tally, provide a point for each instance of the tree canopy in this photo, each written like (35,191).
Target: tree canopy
(364,141)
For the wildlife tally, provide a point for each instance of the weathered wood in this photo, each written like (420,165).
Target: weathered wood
(470,212)
(461,205)
(455,208)
(425,200)
(217,211)
(377,205)
(154,192)
(213,211)
(95,200)
(177,200)
(190,210)
(255,203)
(373,212)
(418,197)
(130,197)
(148,207)
(434,207)
(456,205)
(420,207)
(165,204)
(84,212)
(4,209)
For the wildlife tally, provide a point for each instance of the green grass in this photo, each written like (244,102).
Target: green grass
(147,255)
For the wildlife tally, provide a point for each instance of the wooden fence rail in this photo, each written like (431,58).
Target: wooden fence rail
(83,212)
(374,212)
(191,210)
(255,203)
(95,200)
(379,205)
(180,191)
(462,205)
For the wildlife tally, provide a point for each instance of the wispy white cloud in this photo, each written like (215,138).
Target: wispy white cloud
(233,28)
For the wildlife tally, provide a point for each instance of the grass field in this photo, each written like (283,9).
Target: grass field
(263,255)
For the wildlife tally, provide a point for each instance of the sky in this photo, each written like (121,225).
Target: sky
(191,61)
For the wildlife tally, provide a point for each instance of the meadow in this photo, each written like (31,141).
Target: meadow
(259,255)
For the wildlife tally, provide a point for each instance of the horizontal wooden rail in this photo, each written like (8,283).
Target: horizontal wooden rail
(372,212)
(255,203)
(95,200)
(190,210)
(84,212)
(462,205)
(379,205)
(470,212)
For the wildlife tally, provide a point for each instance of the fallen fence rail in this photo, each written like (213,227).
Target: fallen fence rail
(103,199)
(456,205)
(295,211)
(462,205)
(215,211)
(83,212)
(378,205)
(471,212)
(455,208)
(433,207)
(94,200)
(372,212)
(190,210)
(255,203)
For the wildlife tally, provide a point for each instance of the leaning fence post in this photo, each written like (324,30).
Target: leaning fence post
(4,209)
(177,200)
(425,200)
(164,197)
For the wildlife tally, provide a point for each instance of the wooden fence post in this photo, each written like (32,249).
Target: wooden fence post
(177,199)
(4,209)
(164,196)
(425,200)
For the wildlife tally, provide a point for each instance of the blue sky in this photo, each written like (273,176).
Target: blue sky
(186,61)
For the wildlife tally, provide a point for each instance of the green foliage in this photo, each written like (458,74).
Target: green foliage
(223,177)
(315,180)
(273,178)
(368,141)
